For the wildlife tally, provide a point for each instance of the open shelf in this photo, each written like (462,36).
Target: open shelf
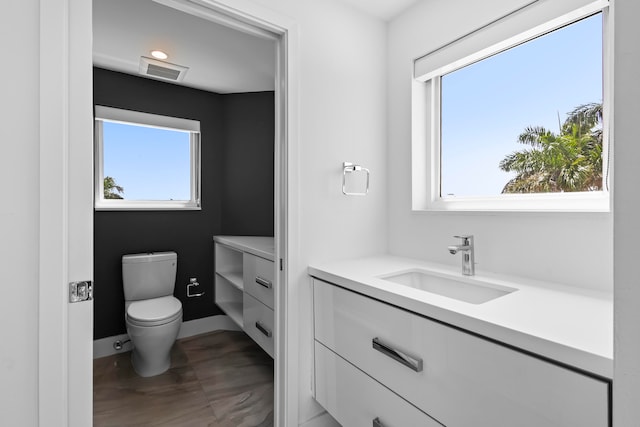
(235,278)
(228,296)
(233,309)
(228,261)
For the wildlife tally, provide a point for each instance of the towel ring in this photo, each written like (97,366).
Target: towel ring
(351,168)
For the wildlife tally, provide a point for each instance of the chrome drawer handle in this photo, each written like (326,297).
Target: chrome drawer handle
(397,355)
(263,282)
(377,423)
(263,329)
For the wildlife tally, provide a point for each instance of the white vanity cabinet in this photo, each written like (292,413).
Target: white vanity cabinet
(451,376)
(244,284)
(258,315)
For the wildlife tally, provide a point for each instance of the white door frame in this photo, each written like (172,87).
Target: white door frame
(65,395)
(65,331)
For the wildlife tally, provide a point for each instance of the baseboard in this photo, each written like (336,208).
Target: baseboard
(207,324)
(322,420)
(104,346)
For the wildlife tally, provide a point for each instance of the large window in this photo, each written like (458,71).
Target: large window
(146,161)
(519,123)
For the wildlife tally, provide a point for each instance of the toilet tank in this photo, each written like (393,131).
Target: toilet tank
(149,275)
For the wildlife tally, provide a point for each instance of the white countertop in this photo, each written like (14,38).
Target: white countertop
(571,325)
(256,245)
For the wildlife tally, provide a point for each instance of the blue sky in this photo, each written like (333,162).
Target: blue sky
(150,163)
(486,105)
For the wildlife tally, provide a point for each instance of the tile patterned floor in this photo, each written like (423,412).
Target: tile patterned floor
(220,379)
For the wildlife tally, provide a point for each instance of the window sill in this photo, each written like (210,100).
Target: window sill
(556,202)
(146,205)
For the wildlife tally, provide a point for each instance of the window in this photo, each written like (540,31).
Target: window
(146,161)
(514,118)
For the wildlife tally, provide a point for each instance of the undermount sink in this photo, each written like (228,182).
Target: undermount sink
(462,289)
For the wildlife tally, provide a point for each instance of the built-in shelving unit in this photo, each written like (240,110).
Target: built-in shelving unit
(244,284)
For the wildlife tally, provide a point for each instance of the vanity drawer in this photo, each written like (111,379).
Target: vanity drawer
(258,277)
(258,322)
(464,380)
(355,399)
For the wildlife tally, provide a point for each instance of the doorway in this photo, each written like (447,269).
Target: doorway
(226,86)
(65,330)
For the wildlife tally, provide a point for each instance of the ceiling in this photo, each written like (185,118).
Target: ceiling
(220,59)
(383,9)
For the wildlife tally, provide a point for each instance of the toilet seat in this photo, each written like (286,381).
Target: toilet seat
(154,312)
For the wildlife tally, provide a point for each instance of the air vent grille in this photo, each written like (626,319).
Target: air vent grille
(165,73)
(161,70)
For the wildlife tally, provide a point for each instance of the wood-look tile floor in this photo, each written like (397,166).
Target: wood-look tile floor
(219,379)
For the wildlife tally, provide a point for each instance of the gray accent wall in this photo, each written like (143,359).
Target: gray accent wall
(237,136)
(247,190)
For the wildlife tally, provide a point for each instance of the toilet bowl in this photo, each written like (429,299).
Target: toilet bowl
(152,314)
(153,327)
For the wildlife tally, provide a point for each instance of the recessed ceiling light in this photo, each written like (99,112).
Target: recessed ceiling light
(159,54)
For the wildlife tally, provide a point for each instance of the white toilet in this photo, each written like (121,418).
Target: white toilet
(153,315)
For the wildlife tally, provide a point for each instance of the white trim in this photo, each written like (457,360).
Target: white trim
(322,420)
(195,153)
(287,231)
(220,322)
(607,102)
(504,33)
(426,143)
(53,378)
(64,330)
(202,9)
(120,115)
(587,202)
(104,346)
(145,205)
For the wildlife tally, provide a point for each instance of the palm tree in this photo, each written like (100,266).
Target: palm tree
(111,189)
(569,161)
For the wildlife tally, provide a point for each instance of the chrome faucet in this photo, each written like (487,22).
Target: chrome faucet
(468,265)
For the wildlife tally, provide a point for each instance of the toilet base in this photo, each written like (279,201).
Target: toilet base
(151,353)
(149,367)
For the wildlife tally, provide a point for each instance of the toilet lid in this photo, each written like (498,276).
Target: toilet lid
(156,310)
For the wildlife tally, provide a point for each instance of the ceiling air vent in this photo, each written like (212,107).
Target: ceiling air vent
(161,70)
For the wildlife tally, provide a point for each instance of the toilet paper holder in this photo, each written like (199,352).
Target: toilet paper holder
(193,282)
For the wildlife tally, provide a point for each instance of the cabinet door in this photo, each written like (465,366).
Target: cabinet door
(258,323)
(355,399)
(463,380)
(258,276)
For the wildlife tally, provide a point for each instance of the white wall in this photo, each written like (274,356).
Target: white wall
(626,382)
(19,213)
(342,117)
(574,249)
